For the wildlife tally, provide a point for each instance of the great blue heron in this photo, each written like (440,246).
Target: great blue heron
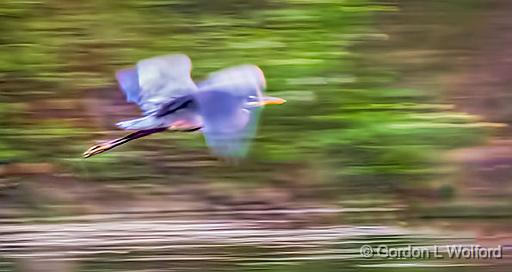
(225,107)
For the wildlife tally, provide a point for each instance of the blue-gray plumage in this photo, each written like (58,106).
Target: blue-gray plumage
(225,107)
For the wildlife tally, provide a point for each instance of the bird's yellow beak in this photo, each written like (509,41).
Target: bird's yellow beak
(269,100)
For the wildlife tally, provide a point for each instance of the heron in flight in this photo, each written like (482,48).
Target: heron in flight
(225,107)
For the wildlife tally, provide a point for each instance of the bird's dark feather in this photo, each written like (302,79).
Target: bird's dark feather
(174,105)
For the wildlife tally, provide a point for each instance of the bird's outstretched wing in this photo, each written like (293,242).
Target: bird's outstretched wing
(243,80)
(228,124)
(156,81)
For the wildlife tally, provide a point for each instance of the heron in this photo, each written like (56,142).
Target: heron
(225,107)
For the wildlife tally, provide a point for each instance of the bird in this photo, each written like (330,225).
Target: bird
(225,107)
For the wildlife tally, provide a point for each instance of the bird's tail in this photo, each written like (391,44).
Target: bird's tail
(147,122)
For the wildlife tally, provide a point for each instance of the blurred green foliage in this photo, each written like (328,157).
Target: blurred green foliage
(344,120)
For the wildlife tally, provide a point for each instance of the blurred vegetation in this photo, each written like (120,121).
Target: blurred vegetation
(343,122)
(366,115)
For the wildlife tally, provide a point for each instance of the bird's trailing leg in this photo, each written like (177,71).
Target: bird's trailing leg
(100,148)
(184,126)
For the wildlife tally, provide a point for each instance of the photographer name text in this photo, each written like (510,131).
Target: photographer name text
(432,252)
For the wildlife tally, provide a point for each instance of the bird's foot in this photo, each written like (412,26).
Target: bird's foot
(97,149)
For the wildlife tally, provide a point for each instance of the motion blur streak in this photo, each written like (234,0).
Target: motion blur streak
(396,132)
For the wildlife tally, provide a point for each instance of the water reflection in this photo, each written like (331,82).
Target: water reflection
(250,244)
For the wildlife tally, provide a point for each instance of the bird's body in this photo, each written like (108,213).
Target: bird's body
(225,107)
